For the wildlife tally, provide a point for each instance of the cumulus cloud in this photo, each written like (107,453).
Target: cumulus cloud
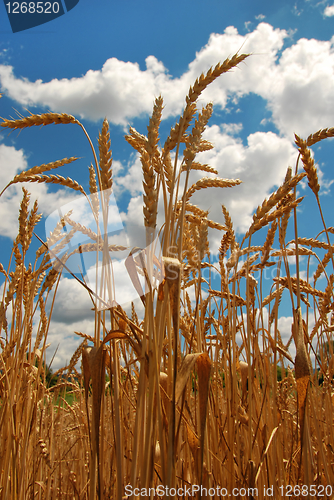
(296,82)
(120,90)
(329,11)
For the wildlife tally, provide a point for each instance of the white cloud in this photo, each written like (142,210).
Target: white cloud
(301,97)
(13,157)
(296,83)
(329,11)
(72,303)
(62,339)
(232,128)
(12,162)
(119,90)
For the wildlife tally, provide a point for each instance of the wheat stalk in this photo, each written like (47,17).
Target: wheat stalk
(55,179)
(37,120)
(105,157)
(207,182)
(309,167)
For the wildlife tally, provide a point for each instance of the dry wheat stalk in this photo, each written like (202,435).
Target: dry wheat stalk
(57,234)
(3,319)
(79,227)
(281,192)
(85,336)
(37,120)
(292,251)
(308,163)
(27,289)
(43,168)
(204,146)
(13,284)
(239,252)
(76,356)
(269,242)
(93,189)
(246,266)
(49,280)
(239,300)
(228,239)
(3,271)
(207,182)
(55,179)
(177,133)
(138,141)
(312,242)
(150,193)
(285,218)
(319,136)
(33,220)
(64,242)
(194,140)
(191,237)
(93,247)
(194,209)
(322,266)
(23,219)
(105,157)
(259,223)
(40,279)
(197,220)
(203,243)
(276,293)
(200,166)
(304,286)
(203,81)
(17,253)
(153,127)
(42,329)
(326,302)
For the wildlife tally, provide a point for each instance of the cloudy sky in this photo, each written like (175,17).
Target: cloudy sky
(112,59)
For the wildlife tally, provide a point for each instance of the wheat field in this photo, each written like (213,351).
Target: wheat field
(200,397)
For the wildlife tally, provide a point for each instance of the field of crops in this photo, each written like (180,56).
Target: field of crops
(189,394)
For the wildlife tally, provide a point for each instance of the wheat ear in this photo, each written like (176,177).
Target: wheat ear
(281,192)
(23,219)
(105,157)
(153,127)
(37,120)
(308,163)
(55,179)
(207,182)
(21,177)
(203,81)
(319,136)
(150,193)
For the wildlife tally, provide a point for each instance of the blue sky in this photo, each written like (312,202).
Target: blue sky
(108,58)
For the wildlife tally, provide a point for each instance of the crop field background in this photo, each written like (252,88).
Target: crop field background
(201,356)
